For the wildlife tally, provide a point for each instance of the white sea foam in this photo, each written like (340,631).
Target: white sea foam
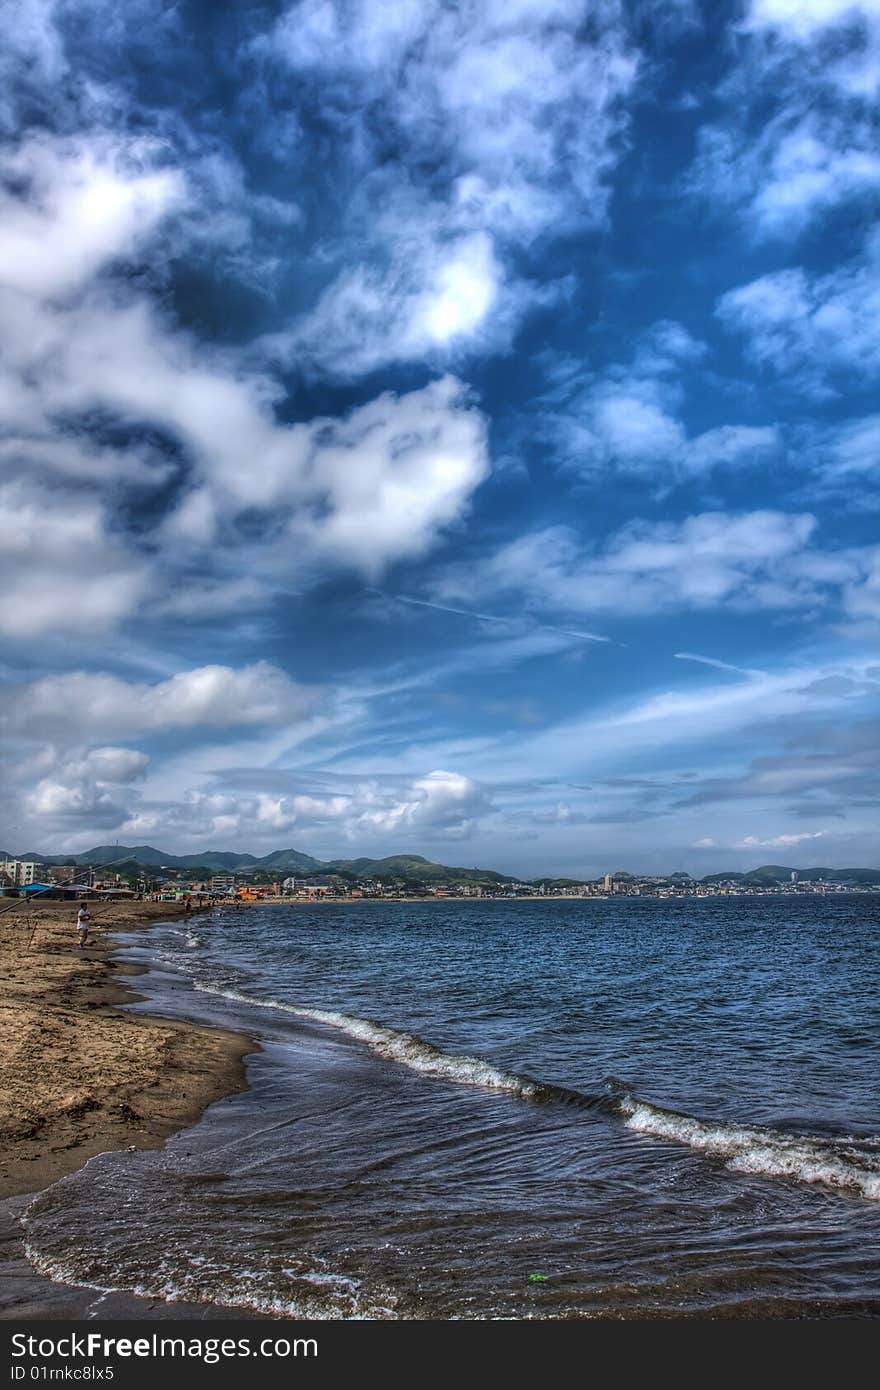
(838,1163)
(310,1295)
(846,1163)
(408,1049)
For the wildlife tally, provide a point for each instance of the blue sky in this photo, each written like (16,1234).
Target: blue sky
(443,428)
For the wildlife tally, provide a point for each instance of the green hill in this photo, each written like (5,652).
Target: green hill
(284,862)
(412,866)
(280,862)
(767,875)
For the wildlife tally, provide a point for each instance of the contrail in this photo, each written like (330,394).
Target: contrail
(713,661)
(488,617)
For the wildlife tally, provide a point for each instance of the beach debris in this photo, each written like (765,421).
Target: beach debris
(538,1278)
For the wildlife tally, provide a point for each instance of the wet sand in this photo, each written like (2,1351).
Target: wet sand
(79,1077)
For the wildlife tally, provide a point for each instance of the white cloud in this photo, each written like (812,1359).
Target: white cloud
(84,202)
(207,697)
(32,51)
(801,165)
(440,801)
(214,599)
(514,97)
(504,116)
(836,43)
(392,474)
(801,19)
(116,765)
(808,329)
(796,136)
(438,292)
(855,450)
(77,345)
(636,431)
(90,786)
(61,569)
(731,446)
(627,420)
(808,174)
(779,841)
(713,559)
(438,805)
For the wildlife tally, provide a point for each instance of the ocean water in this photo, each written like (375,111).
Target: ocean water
(510,1109)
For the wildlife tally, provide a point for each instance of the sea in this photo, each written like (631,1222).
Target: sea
(509,1109)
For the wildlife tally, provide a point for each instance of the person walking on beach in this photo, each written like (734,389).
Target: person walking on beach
(83,918)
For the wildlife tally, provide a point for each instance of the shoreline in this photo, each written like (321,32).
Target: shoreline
(543,898)
(78,1075)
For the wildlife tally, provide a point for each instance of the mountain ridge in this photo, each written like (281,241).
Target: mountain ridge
(286,861)
(292,861)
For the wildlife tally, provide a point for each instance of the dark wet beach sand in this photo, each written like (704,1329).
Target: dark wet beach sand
(78,1077)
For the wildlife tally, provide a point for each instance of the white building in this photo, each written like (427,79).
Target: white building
(21,871)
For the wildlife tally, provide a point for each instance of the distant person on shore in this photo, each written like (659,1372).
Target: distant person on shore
(83,919)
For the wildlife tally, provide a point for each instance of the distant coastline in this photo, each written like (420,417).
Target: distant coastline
(146,869)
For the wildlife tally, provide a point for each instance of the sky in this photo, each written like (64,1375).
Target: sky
(442,428)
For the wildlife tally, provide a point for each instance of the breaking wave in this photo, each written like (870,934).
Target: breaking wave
(278,1293)
(845,1163)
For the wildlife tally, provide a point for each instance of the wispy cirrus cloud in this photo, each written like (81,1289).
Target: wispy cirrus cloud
(751,561)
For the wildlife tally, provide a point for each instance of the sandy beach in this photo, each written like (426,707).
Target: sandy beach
(77,1075)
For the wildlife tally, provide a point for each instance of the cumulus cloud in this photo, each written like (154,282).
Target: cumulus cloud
(61,568)
(215,697)
(79,203)
(439,802)
(434,295)
(628,418)
(437,806)
(79,348)
(506,117)
(514,99)
(391,474)
(795,136)
(802,18)
(800,166)
(813,330)
(92,787)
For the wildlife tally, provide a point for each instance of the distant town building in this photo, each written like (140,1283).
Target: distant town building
(609,884)
(223,883)
(21,871)
(67,873)
(794,875)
